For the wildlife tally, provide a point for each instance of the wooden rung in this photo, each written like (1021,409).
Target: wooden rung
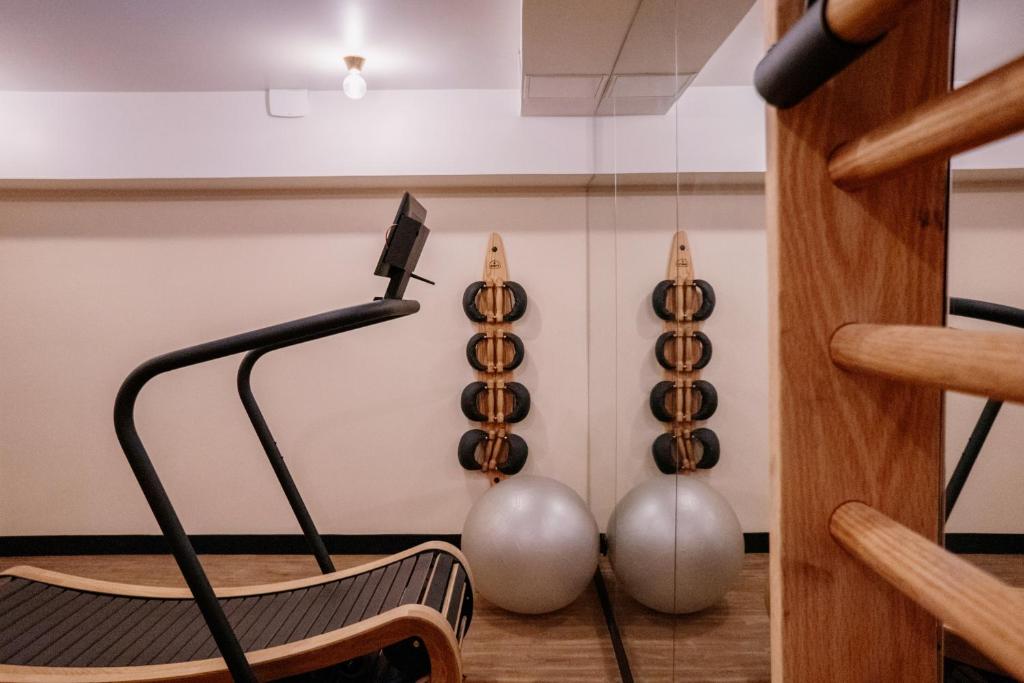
(987,109)
(977,606)
(861,21)
(984,363)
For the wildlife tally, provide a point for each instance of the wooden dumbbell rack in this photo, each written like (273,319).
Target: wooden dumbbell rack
(496,353)
(682,299)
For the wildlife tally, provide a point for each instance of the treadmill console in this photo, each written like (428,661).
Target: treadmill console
(402,247)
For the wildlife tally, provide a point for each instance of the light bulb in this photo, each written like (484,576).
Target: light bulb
(354,85)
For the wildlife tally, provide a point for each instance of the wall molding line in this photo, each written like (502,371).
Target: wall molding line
(712,182)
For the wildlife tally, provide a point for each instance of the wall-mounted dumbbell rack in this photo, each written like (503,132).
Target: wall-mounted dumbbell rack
(494,400)
(683,398)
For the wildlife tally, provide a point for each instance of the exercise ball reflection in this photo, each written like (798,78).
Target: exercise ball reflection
(531,543)
(675,544)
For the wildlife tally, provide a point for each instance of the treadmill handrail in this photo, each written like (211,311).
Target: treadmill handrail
(324,324)
(996,313)
(270,447)
(985,310)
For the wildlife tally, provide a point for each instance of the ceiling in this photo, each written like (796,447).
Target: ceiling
(586,57)
(195,45)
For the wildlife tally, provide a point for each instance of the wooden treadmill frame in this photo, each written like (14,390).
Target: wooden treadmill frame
(370,635)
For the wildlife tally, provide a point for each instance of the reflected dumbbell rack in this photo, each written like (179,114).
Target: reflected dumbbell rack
(494,400)
(682,398)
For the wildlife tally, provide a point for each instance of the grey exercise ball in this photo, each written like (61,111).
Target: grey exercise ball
(532,544)
(675,544)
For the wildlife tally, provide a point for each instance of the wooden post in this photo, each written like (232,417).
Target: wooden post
(875,256)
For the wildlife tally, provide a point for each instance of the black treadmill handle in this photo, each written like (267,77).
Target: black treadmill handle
(284,476)
(322,325)
(983,310)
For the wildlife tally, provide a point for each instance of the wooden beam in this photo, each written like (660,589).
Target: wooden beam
(981,363)
(987,109)
(835,257)
(861,21)
(977,606)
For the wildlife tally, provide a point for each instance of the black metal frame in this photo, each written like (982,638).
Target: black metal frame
(258,342)
(997,313)
(284,477)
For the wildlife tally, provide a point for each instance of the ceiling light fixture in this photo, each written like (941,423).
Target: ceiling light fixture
(354,84)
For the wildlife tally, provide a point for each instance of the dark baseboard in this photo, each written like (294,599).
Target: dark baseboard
(365,544)
(986,544)
(755,542)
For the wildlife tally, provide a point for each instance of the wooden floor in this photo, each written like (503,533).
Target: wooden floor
(728,642)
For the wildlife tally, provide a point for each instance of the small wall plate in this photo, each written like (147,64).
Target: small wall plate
(288,104)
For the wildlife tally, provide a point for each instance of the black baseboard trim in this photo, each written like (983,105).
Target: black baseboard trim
(366,544)
(755,542)
(986,544)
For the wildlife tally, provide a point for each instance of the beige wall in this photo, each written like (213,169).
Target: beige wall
(369,421)
(630,239)
(986,245)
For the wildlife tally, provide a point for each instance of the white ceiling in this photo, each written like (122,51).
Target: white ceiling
(170,45)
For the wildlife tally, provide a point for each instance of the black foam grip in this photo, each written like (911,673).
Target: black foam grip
(659,394)
(470,405)
(468,445)
(660,350)
(707,300)
(664,452)
(706,393)
(806,57)
(709,445)
(666,455)
(516,457)
(659,300)
(521,402)
(708,399)
(469,302)
(518,351)
(518,301)
(515,312)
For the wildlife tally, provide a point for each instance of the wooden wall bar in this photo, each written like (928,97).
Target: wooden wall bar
(974,604)
(990,108)
(861,21)
(982,363)
(835,258)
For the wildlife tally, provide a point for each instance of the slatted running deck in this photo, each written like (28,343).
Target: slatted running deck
(51,621)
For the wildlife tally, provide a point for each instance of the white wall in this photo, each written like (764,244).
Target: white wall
(87,135)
